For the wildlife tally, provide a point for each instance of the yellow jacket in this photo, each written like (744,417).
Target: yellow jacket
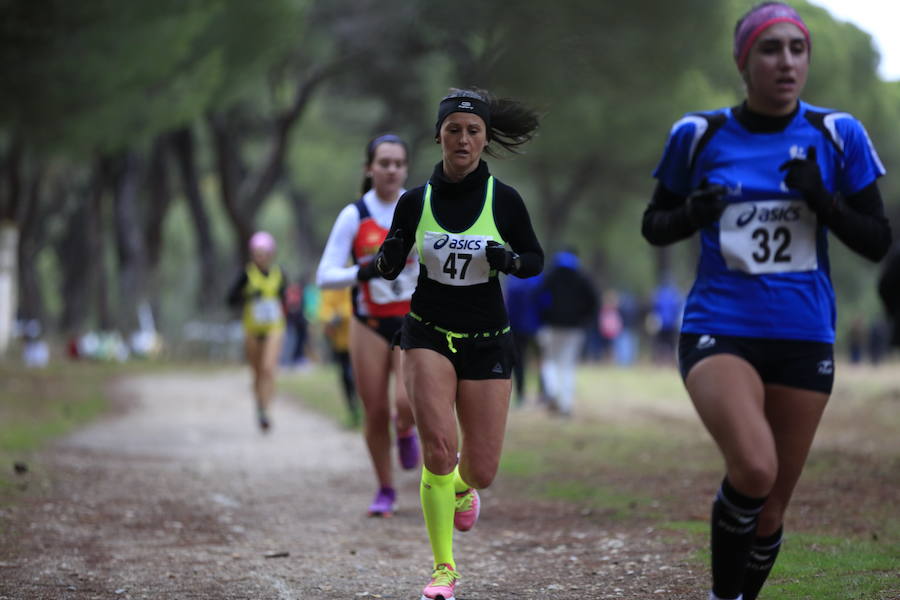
(335,312)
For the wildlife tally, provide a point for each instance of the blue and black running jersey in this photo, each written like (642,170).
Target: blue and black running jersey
(763,269)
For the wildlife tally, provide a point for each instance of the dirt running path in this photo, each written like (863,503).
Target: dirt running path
(178,496)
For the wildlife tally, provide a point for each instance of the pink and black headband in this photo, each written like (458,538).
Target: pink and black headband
(758,20)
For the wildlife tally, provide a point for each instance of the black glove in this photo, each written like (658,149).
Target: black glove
(705,204)
(501,259)
(390,256)
(367,271)
(803,175)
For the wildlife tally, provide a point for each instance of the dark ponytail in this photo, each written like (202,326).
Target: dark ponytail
(372,146)
(511,123)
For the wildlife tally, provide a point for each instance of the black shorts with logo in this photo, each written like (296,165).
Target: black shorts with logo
(484,355)
(793,363)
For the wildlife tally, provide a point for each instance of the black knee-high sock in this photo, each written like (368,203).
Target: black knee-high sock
(734,518)
(763,553)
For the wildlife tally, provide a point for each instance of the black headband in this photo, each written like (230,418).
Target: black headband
(463,104)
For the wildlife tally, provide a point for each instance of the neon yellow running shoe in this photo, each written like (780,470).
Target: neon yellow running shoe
(443,582)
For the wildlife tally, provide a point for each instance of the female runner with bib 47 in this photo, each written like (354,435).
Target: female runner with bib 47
(457,348)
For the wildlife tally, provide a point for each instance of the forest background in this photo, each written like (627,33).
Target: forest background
(142,143)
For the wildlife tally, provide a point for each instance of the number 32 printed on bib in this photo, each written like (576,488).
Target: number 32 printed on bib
(769,236)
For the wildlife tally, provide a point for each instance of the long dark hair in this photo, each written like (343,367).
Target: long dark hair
(372,146)
(512,122)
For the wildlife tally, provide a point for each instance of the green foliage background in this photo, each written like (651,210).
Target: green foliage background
(94,78)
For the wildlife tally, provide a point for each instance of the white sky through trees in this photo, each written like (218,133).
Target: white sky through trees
(878,18)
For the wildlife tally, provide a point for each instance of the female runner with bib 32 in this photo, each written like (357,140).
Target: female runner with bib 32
(763,183)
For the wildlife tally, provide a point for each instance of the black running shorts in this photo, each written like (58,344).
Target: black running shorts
(386,327)
(481,357)
(793,363)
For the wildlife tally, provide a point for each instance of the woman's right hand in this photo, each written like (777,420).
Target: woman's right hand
(705,204)
(390,257)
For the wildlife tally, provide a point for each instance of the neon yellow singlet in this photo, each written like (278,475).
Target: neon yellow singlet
(457,259)
(262,308)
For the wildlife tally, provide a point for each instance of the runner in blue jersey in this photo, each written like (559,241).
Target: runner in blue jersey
(763,183)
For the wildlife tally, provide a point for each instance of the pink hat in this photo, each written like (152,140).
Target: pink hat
(758,20)
(262,240)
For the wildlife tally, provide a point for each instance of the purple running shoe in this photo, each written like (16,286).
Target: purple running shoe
(264,423)
(383,503)
(408,446)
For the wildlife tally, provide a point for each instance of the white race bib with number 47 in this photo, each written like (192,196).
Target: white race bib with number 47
(769,236)
(456,259)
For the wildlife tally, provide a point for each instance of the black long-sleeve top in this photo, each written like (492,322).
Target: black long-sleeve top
(456,206)
(857,220)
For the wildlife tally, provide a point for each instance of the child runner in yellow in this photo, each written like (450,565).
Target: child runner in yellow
(457,348)
(259,289)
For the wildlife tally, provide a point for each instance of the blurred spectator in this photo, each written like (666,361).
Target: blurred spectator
(625,348)
(889,291)
(665,320)
(879,340)
(568,304)
(311,299)
(610,319)
(35,352)
(856,340)
(335,312)
(297,329)
(595,346)
(103,346)
(524,321)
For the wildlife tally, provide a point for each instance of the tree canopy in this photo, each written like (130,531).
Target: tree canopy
(186,125)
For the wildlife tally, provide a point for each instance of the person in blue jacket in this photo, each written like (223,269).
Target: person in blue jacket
(763,183)
(524,321)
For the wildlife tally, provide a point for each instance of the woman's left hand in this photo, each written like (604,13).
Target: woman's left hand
(803,175)
(501,259)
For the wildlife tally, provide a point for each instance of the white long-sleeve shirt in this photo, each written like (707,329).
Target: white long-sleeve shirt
(335,269)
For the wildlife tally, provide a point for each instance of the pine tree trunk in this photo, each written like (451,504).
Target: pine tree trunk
(73,250)
(209,292)
(32,237)
(97,246)
(159,195)
(9,242)
(129,242)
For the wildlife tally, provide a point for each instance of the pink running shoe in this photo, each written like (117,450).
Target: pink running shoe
(468,506)
(383,503)
(408,447)
(443,582)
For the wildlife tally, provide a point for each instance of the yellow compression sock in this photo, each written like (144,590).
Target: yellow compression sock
(459,486)
(438,506)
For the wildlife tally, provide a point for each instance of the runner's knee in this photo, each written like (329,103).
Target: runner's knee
(378,415)
(480,476)
(439,454)
(753,475)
